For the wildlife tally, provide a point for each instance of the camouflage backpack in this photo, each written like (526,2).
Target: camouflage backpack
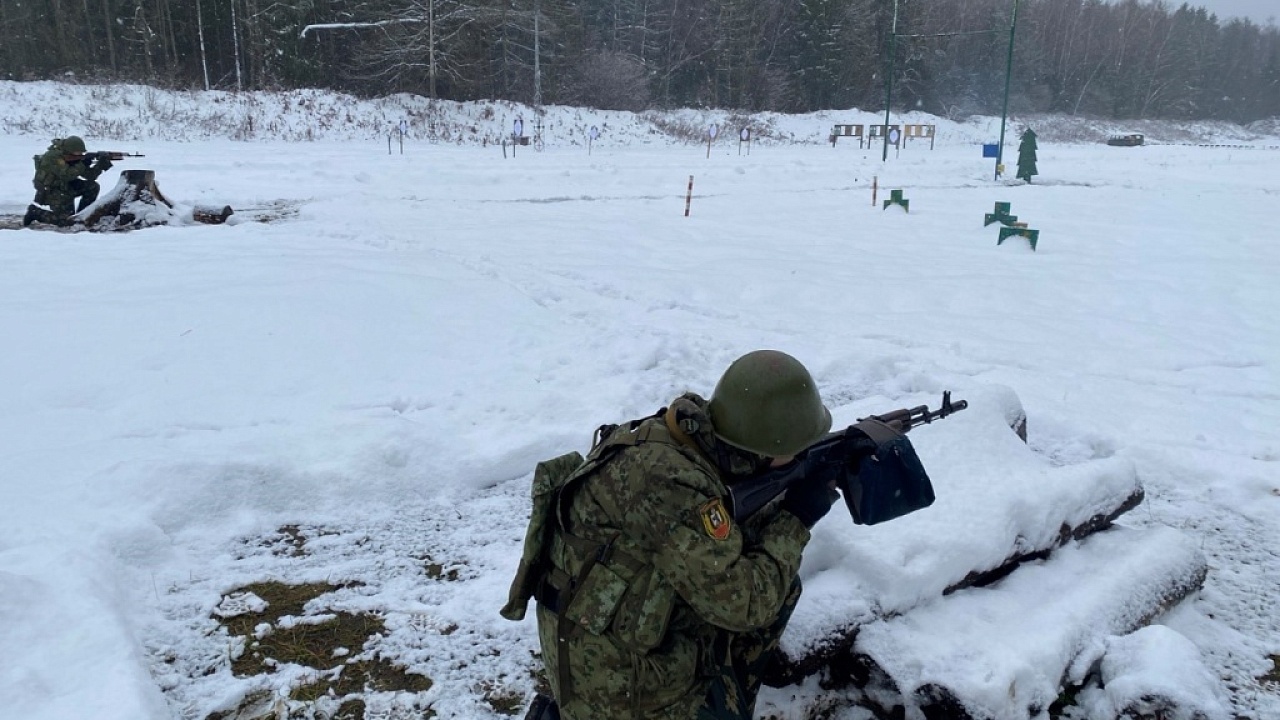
(549,479)
(45,175)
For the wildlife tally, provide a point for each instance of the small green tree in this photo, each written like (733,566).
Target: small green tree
(1027,156)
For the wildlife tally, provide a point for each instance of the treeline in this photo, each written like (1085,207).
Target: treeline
(1126,59)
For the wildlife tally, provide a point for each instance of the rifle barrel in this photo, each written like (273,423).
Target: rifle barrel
(905,419)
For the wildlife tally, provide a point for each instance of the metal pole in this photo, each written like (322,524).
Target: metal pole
(888,94)
(1008,73)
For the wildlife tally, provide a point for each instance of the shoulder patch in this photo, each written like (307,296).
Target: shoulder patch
(716,520)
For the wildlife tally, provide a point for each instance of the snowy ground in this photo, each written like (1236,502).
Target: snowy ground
(357,392)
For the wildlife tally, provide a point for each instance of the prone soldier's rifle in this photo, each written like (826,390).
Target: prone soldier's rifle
(871,461)
(112,155)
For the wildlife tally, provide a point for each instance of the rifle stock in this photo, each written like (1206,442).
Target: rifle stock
(871,461)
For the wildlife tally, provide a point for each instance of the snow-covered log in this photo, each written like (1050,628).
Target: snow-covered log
(999,503)
(1152,673)
(210,214)
(1004,652)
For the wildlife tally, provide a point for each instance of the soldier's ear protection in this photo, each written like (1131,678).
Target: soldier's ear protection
(688,426)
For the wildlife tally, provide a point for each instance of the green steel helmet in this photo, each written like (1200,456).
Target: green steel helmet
(768,404)
(73,145)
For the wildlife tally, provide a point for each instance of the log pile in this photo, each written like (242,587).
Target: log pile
(1042,618)
(1011,541)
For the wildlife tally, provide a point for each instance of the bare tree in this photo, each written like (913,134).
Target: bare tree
(413,35)
(235,44)
(607,80)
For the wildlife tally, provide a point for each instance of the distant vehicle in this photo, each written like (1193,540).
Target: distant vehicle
(1131,140)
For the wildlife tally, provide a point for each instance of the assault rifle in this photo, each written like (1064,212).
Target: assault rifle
(871,461)
(112,155)
(100,155)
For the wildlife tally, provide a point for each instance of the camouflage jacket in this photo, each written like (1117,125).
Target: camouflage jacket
(54,174)
(659,569)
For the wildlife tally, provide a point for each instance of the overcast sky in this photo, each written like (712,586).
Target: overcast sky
(1256,10)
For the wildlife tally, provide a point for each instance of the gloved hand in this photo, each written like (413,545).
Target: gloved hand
(809,500)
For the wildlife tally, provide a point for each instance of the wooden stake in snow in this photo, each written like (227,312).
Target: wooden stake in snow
(688,198)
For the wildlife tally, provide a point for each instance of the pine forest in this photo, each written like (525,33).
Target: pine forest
(1123,59)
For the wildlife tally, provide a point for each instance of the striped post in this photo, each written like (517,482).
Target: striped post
(688,198)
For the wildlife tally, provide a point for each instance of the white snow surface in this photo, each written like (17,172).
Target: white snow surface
(381,367)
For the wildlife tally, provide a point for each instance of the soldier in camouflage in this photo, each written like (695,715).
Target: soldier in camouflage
(652,601)
(63,173)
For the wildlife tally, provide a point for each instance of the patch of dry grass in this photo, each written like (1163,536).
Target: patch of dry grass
(503,700)
(331,643)
(322,645)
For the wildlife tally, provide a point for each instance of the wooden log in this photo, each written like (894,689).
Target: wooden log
(211,215)
(1066,534)
(1005,652)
